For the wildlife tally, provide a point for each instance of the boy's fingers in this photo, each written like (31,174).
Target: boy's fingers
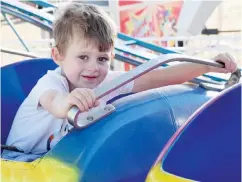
(82,98)
(220,70)
(233,65)
(75,101)
(87,97)
(223,70)
(223,59)
(232,58)
(228,60)
(97,102)
(230,64)
(90,97)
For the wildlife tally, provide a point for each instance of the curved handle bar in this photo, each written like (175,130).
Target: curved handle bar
(137,72)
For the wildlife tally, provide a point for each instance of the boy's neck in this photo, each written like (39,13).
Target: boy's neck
(71,87)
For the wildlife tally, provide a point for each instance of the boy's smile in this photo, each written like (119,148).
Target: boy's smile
(90,78)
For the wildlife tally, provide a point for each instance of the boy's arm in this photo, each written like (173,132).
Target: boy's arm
(181,73)
(59,103)
(55,102)
(175,74)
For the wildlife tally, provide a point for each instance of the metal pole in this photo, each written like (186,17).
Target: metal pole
(19,53)
(15,31)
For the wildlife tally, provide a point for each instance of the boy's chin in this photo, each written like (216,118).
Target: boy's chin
(89,86)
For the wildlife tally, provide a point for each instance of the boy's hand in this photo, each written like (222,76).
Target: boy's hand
(59,103)
(228,60)
(83,98)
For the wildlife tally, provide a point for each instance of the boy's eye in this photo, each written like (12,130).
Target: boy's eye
(83,57)
(102,59)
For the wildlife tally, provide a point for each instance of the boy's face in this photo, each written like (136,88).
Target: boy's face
(83,64)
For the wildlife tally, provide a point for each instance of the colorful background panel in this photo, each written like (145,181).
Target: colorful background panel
(150,19)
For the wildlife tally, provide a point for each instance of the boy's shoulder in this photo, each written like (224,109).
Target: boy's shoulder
(55,72)
(52,75)
(115,73)
(53,79)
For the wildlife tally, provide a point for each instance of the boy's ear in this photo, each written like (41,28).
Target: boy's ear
(56,56)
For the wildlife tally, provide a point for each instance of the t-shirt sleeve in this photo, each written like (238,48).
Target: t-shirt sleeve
(127,88)
(51,81)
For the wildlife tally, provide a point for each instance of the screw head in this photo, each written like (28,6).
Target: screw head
(90,118)
(107,108)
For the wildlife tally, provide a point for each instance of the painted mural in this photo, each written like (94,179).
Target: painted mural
(157,19)
(139,19)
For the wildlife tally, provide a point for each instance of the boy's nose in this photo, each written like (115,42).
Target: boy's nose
(92,66)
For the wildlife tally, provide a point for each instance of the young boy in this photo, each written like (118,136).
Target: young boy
(84,37)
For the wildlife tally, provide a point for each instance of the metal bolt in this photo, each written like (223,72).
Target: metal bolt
(90,118)
(107,108)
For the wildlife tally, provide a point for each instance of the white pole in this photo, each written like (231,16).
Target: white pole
(115,15)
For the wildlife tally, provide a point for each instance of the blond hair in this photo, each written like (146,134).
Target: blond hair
(85,21)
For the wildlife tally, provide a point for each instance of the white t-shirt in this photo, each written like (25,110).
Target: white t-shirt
(34,129)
